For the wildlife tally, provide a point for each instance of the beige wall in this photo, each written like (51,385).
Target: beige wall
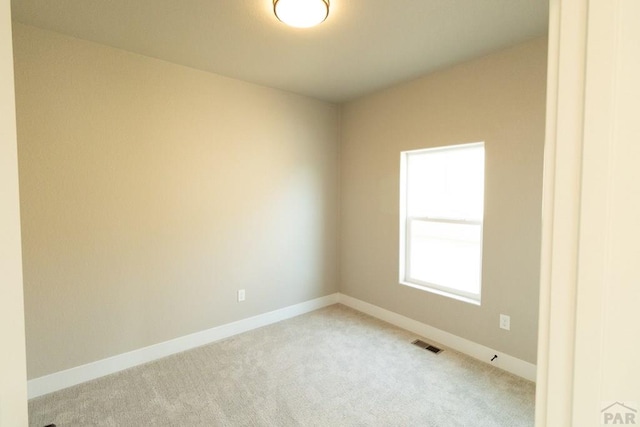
(13,380)
(498,99)
(151,193)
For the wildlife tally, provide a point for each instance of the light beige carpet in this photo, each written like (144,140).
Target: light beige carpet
(331,367)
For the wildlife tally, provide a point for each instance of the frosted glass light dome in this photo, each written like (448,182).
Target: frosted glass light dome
(301,13)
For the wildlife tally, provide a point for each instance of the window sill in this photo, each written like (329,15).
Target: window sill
(442,293)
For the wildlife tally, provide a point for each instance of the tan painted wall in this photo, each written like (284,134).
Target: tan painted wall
(151,193)
(499,99)
(13,380)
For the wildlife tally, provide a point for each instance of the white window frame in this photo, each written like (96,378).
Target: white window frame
(405,229)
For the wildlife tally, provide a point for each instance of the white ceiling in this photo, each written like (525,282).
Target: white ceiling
(363,46)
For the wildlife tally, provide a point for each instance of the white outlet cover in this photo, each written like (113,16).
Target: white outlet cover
(241,295)
(505,322)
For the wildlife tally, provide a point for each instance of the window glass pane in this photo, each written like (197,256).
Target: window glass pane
(442,204)
(446,254)
(446,183)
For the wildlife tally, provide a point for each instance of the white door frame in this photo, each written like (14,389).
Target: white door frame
(13,377)
(589,297)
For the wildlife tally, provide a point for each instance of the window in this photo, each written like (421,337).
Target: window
(441,216)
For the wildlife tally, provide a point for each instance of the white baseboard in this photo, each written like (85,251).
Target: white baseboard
(477,351)
(67,378)
(70,377)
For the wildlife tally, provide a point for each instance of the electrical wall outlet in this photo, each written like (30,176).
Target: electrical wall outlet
(505,322)
(241,295)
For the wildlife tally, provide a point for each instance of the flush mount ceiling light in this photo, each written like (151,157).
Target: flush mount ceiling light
(301,13)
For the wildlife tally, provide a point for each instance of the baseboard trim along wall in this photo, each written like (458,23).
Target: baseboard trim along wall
(70,377)
(477,351)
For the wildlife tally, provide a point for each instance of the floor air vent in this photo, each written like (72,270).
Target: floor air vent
(426,346)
